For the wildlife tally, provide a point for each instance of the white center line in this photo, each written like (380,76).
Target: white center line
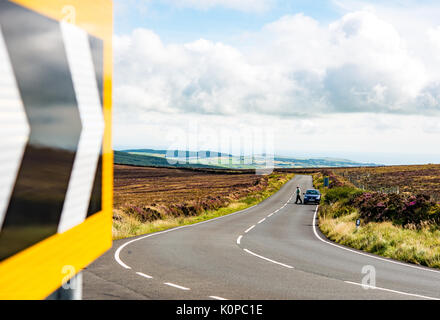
(261,220)
(239,239)
(217,298)
(389,290)
(267,259)
(118,251)
(144,275)
(176,286)
(250,228)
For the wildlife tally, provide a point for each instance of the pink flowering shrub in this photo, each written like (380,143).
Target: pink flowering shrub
(401,209)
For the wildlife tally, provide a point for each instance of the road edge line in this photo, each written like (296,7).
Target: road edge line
(118,251)
(370,255)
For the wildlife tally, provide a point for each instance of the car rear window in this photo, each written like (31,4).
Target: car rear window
(312,192)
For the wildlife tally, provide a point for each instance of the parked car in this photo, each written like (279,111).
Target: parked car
(312,195)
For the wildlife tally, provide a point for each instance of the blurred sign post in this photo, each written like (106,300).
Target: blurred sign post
(56,162)
(326,181)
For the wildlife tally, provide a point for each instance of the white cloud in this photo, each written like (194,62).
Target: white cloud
(361,137)
(199,77)
(340,85)
(240,5)
(434,37)
(359,63)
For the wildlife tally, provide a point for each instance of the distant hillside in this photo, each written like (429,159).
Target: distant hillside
(177,153)
(209,159)
(150,161)
(318,162)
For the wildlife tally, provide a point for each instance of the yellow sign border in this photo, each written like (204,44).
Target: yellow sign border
(37,271)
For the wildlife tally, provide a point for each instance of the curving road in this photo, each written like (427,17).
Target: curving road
(271,251)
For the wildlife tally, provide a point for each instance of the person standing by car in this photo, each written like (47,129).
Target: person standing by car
(298,195)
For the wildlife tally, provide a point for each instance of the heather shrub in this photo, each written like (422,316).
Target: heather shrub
(335,181)
(144,214)
(401,209)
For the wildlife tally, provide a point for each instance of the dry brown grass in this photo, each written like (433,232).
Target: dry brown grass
(418,246)
(137,186)
(413,179)
(153,199)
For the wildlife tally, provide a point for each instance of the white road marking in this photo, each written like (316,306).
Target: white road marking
(362,253)
(239,239)
(393,291)
(144,275)
(217,298)
(270,215)
(118,251)
(267,259)
(249,229)
(176,286)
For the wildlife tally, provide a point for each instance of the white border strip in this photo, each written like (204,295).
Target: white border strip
(82,70)
(14,129)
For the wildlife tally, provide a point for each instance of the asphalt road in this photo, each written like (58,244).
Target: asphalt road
(271,251)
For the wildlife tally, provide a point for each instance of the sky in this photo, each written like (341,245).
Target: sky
(338,78)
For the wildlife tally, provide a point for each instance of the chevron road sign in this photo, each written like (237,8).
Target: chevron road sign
(55,141)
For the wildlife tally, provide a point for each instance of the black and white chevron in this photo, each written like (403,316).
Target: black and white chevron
(51,127)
